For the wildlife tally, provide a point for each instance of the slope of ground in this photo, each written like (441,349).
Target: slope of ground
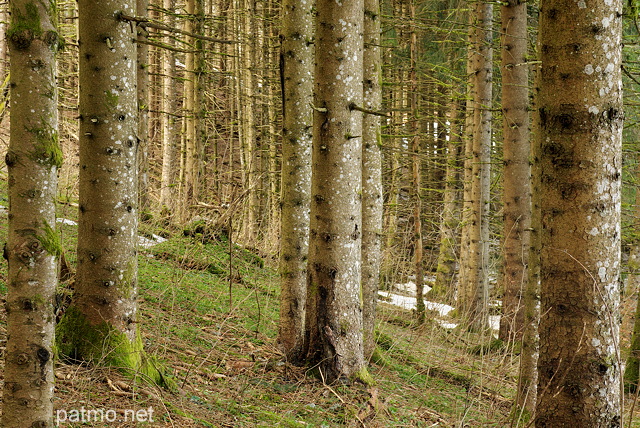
(208,313)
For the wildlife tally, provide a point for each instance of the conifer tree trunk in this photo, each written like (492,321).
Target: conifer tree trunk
(416,174)
(580,105)
(190,185)
(297,87)
(372,202)
(464,285)
(101,323)
(449,225)
(480,168)
(142,7)
(33,246)
(170,165)
(334,312)
(528,377)
(516,152)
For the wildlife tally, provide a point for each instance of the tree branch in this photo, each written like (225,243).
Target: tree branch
(146,22)
(353,106)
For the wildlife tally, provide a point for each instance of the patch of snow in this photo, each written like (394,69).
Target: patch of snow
(494,322)
(66,221)
(408,302)
(410,288)
(446,324)
(145,242)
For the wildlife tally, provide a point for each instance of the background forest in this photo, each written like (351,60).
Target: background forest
(210,275)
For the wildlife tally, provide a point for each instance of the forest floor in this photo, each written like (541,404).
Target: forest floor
(214,332)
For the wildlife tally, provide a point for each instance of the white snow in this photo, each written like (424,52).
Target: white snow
(150,242)
(66,221)
(409,303)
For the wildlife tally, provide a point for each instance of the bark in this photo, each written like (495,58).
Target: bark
(580,107)
(100,325)
(372,202)
(334,312)
(143,110)
(251,146)
(33,246)
(297,87)
(528,378)
(516,151)
(449,225)
(464,285)
(190,183)
(416,176)
(169,136)
(478,252)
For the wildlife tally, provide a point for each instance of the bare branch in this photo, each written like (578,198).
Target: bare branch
(149,23)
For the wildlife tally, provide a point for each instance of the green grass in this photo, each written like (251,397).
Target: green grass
(208,311)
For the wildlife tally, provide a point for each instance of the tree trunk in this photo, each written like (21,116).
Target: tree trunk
(449,225)
(297,94)
(190,185)
(100,325)
(416,174)
(517,172)
(464,285)
(580,105)
(33,245)
(334,312)
(372,202)
(169,175)
(143,111)
(528,377)
(478,286)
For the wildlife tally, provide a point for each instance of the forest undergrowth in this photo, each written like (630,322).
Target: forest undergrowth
(208,316)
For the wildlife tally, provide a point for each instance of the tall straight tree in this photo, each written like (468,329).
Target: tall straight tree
(517,172)
(142,7)
(450,222)
(334,312)
(372,202)
(580,107)
(528,377)
(101,323)
(192,147)
(416,170)
(296,63)
(478,167)
(169,175)
(32,248)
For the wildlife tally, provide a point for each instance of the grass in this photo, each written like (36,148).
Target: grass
(208,311)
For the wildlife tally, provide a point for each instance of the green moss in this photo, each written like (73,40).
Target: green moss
(25,27)
(111,99)
(50,240)
(363,376)
(130,277)
(47,148)
(103,344)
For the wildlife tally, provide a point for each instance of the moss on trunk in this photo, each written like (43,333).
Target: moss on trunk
(103,344)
